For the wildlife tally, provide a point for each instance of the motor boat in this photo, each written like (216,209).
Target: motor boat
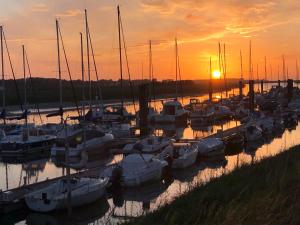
(135,170)
(172,112)
(183,154)
(80,138)
(119,130)
(83,191)
(25,144)
(152,144)
(208,147)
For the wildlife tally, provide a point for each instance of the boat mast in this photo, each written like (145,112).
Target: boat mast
(59,74)
(297,72)
(2,73)
(210,82)
(88,57)
(283,67)
(82,74)
(151,73)
(257,77)
(120,59)
(225,72)
(176,67)
(250,62)
(241,62)
(24,75)
(25,86)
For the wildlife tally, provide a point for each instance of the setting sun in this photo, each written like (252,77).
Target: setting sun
(216,74)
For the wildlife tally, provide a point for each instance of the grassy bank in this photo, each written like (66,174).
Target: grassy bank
(264,193)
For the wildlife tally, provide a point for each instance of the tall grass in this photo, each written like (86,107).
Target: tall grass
(264,193)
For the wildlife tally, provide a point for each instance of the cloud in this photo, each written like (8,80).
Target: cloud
(70,13)
(39,8)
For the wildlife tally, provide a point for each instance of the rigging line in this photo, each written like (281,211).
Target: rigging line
(120,60)
(69,73)
(99,91)
(127,64)
(88,58)
(12,71)
(32,89)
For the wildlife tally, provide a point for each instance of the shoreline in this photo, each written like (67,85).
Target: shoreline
(70,106)
(266,192)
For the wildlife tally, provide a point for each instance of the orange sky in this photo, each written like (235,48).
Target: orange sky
(273,27)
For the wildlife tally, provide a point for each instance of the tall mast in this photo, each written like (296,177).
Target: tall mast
(24,74)
(257,77)
(283,67)
(2,69)
(250,62)
(88,56)
(176,66)
(225,72)
(271,72)
(82,74)
(297,72)
(120,58)
(210,82)
(241,61)
(59,71)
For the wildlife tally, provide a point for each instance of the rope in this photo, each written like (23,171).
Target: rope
(69,73)
(13,72)
(31,85)
(128,71)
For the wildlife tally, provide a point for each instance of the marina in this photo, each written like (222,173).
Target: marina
(41,172)
(108,151)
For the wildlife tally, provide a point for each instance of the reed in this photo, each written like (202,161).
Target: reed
(264,193)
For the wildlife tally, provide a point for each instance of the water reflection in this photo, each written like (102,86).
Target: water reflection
(139,201)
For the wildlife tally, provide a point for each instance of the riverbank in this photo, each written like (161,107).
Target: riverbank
(264,193)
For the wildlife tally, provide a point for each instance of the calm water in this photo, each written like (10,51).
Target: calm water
(139,201)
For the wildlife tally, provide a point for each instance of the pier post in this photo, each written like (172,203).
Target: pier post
(262,86)
(251,95)
(144,110)
(241,88)
(289,89)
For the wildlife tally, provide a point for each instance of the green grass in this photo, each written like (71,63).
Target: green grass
(264,193)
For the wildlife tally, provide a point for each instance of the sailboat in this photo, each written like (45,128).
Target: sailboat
(55,196)
(81,137)
(173,111)
(25,143)
(135,170)
(102,113)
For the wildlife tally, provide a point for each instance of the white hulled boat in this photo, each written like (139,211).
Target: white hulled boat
(89,139)
(151,144)
(136,169)
(24,143)
(172,112)
(183,154)
(55,197)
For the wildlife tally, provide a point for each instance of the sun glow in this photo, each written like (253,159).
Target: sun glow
(216,74)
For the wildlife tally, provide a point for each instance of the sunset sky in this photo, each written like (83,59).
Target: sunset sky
(272,26)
